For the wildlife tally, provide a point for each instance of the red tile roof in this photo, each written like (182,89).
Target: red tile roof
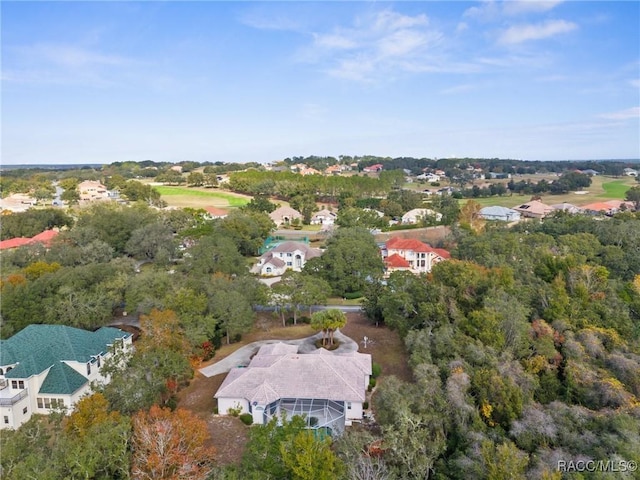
(598,206)
(216,212)
(398,243)
(44,237)
(396,261)
(14,243)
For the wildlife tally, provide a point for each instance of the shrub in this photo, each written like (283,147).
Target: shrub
(313,421)
(235,410)
(365,405)
(352,295)
(376,369)
(246,418)
(372,383)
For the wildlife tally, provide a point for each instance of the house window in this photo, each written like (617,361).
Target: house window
(98,361)
(289,254)
(6,419)
(88,368)
(289,264)
(40,403)
(348,405)
(25,410)
(269,269)
(17,384)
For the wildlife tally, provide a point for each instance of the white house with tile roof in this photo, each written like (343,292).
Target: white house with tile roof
(285,216)
(289,255)
(328,387)
(45,367)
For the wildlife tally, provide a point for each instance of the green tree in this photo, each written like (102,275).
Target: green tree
(310,458)
(151,242)
(351,261)
(260,203)
(248,230)
(328,321)
(633,195)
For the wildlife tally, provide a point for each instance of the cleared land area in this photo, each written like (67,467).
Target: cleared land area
(200,197)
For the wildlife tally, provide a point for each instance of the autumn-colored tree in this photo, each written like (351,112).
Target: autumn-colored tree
(90,411)
(170,445)
(470,216)
(162,330)
(37,269)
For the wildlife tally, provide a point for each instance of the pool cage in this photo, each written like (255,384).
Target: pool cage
(319,413)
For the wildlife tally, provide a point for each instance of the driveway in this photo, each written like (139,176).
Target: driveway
(242,356)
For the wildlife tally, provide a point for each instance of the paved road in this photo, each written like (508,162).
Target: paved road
(242,356)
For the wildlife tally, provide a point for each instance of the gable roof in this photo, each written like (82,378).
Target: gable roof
(37,347)
(279,213)
(62,379)
(324,213)
(498,211)
(396,261)
(292,246)
(325,375)
(535,206)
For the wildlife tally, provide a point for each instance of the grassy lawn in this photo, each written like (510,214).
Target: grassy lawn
(200,197)
(616,189)
(343,301)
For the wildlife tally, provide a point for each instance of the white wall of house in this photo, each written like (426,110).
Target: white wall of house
(353,410)
(224,404)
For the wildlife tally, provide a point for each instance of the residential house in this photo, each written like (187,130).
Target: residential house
(285,216)
(590,172)
(429,177)
(567,207)
(417,214)
(213,212)
(502,214)
(48,367)
(333,170)
(289,255)
(408,254)
(92,190)
(327,388)
(309,171)
(373,168)
(534,209)
(45,238)
(631,172)
(610,207)
(324,217)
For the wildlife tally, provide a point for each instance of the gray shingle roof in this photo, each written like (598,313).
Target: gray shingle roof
(324,375)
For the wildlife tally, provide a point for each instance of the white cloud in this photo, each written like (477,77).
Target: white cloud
(492,10)
(459,89)
(529,6)
(629,113)
(70,55)
(376,45)
(635,83)
(523,33)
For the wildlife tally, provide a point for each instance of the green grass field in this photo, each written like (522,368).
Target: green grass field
(197,197)
(616,189)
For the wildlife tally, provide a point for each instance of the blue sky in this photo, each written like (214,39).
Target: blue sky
(99,82)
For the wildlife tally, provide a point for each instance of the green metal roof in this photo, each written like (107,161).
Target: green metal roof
(38,347)
(62,379)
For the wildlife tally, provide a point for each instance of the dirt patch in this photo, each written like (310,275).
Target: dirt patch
(229,437)
(384,345)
